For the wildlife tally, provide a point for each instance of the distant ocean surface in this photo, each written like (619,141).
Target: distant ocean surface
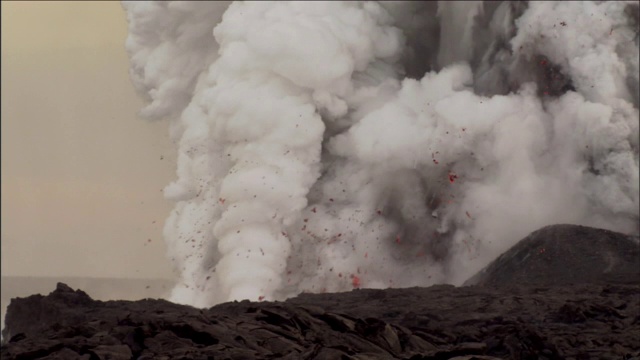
(98,288)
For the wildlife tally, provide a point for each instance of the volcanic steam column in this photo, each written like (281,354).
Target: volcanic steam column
(251,137)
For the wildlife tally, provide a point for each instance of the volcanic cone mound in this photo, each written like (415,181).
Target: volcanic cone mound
(565,254)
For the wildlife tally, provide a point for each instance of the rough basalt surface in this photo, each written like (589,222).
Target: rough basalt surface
(594,319)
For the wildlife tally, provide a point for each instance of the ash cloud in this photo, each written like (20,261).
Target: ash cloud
(324,146)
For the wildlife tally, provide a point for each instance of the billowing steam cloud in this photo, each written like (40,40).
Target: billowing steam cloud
(324,146)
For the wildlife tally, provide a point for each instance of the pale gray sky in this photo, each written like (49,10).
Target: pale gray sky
(81,172)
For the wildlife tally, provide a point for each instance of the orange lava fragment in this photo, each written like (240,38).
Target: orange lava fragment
(355,281)
(452,177)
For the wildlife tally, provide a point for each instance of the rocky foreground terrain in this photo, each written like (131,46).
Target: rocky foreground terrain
(564,292)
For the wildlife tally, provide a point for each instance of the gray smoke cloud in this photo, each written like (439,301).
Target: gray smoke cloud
(325,146)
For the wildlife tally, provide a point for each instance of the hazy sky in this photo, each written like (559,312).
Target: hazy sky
(81,172)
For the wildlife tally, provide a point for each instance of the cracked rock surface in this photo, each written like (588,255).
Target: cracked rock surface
(598,318)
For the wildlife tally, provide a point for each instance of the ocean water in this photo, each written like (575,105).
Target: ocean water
(98,288)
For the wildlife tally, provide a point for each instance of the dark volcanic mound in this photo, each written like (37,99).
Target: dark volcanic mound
(563,255)
(518,320)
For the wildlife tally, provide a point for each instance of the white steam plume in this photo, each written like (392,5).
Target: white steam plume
(324,146)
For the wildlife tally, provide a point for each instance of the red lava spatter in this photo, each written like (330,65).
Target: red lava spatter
(355,281)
